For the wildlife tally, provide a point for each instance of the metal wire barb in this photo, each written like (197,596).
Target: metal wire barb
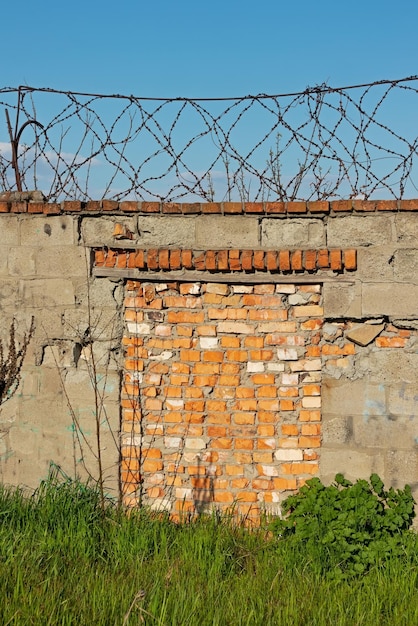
(323,143)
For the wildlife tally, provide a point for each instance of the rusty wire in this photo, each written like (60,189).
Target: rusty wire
(356,141)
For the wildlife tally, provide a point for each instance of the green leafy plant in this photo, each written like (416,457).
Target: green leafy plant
(346,527)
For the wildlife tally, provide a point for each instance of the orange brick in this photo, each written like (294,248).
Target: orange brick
(234,470)
(205,381)
(243,444)
(266,430)
(215,405)
(296,261)
(311,429)
(206,331)
(335,260)
(271,261)
(239,483)
(309,416)
(284,484)
(247,260)
(309,442)
(299,468)
(217,431)
(223,496)
(243,418)
(237,355)
(350,259)
(213,356)
(152,466)
(185,317)
(230,342)
(245,392)
(222,443)
(262,483)
(206,368)
(254,342)
(247,496)
(219,418)
(284,260)
(311,390)
(189,355)
(286,405)
(258,260)
(243,458)
(390,342)
(289,429)
(263,379)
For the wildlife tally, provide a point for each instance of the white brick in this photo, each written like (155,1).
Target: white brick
(287,354)
(218,288)
(286,288)
(288,455)
(174,404)
(207,343)
(235,327)
(242,288)
(290,379)
(305,365)
(311,402)
(164,356)
(138,329)
(255,366)
(172,442)
(184,494)
(275,367)
(195,443)
(270,470)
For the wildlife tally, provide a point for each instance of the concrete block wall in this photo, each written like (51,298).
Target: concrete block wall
(70,265)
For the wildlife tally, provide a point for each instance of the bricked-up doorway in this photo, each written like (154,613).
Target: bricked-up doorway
(222,394)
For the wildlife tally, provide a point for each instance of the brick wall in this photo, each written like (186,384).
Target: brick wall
(279,288)
(221,394)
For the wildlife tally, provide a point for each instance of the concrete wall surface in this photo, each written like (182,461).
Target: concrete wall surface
(121,290)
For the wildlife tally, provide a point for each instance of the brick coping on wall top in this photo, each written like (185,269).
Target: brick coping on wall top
(8,204)
(227,260)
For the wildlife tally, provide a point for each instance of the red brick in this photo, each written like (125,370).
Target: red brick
(175,259)
(408,205)
(342,205)
(350,259)
(150,207)
(364,205)
(323,259)
(223,260)
(171,208)
(296,207)
(271,261)
(211,259)
(232,208)
(253,207)
(275,208)
(211,207)
(187,259)
(296,260)
(310,260)
(335,260)
(284,260)
(258,261)
(318,206)
(247,260)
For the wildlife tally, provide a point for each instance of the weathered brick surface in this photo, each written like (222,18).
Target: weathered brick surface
(223,399)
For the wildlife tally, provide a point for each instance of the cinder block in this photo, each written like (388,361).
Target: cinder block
(227,232)
(291,233)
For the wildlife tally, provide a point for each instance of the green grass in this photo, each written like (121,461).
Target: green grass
(63,562)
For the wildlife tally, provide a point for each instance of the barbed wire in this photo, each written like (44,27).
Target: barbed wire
(322,143)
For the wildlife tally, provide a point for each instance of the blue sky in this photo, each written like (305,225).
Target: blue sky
(219,48)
